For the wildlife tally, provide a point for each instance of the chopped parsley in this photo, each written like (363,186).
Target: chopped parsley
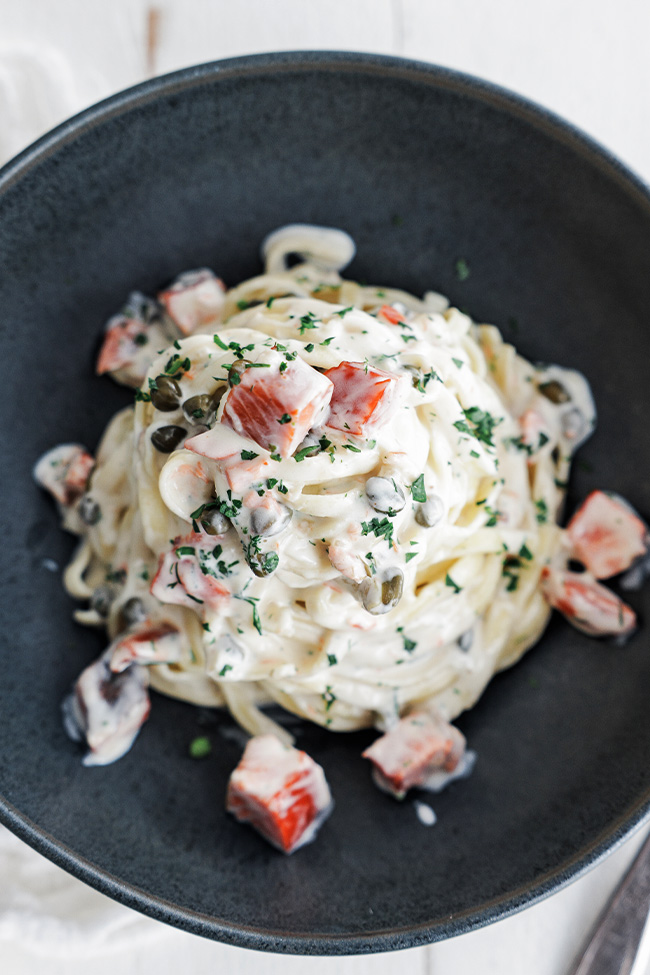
(331,659)
(542,511)
(307,452)
(343,311)
(418,490)
(453,585)
(307,321)
(141,397)
(409,556)
(492,514)
(525,552)
(457,362)
(229,508)
(285,418)
(201,747)
(425,379)
(483,424)
(248,455)
(380,528)
(310,347)
(176,365)
(252,600)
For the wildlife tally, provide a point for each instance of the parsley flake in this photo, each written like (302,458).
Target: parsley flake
(418,490)
(453,585)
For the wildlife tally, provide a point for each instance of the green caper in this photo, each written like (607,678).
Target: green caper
(382,592)
(430,512)
(101,600)
(134,611)
(199,409)
(265,521)
(166,439)
(554,391)
(392,589)
(89,511)
(217,396)
(263,563)
(213,522)
(167,394)
(237,370)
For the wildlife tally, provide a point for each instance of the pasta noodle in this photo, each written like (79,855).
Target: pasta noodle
(362,572)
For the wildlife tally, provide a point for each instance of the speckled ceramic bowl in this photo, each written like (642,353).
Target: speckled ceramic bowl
(422,166)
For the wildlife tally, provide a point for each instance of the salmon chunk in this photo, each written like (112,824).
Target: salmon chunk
(107,710)
(277,401)
(195,299)
(188,575)
(534,432)
(607,534)
(414,753)
(64,472)
(280,791)
(590,607)
(131,340)
(156,644)
(241,465)
(363,397)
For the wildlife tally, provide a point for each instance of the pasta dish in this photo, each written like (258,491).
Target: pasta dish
(333,496)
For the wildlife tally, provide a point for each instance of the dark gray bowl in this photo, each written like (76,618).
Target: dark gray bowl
(422,166)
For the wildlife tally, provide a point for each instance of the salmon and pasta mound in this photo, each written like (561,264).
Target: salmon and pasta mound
(334,497)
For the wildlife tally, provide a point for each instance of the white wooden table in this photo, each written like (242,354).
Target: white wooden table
(585,59)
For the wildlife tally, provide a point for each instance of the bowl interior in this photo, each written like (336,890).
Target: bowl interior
(422,167)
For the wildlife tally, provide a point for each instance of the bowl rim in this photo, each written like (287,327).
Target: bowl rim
(435,76)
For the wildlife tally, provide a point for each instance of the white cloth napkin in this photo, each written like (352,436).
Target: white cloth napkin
(52,912)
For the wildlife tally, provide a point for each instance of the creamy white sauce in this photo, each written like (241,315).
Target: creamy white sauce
(302,635)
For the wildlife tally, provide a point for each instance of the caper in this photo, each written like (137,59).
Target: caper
(573,424)
(213,522)
(237,370)
(465,640)
(166,395)
(385,495)
(89,510)
(392,589)
(217,396)
(430,512)
(554,391)
(134,611)
(265,521)
(262,564)
(199,409)
(415,373)
(101,600)
(382,592)
(166,439)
